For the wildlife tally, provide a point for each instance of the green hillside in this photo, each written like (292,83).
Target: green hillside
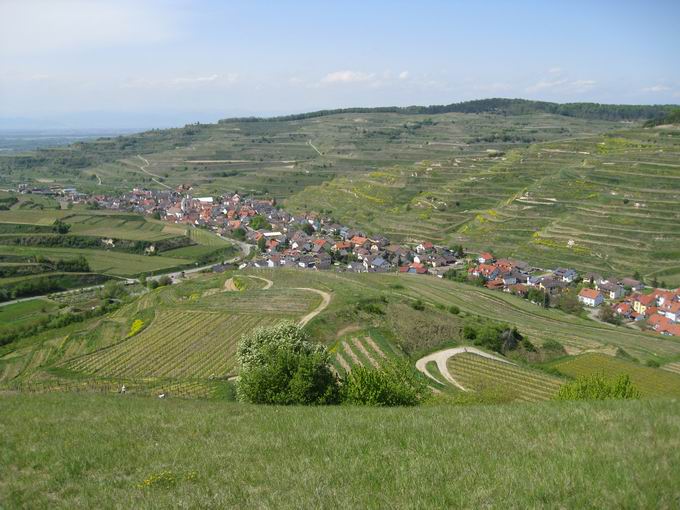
(187,333)
(578,185)
(135,452)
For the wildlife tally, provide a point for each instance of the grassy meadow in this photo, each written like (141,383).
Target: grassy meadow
(134,452)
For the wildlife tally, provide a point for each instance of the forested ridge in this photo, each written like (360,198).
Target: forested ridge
(497,105)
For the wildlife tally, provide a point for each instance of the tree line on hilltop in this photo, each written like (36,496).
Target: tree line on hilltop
(502,106)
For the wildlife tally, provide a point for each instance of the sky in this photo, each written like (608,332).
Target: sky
(153,63)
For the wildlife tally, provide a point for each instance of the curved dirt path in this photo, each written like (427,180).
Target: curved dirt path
(441,357)
(268,283)
(326,300)
(153,176)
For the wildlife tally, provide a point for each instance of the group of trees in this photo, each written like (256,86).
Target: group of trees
(495,336)
(281,365)
(502,106)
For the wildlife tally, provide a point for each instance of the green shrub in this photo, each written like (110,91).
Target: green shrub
(454,310)
(393,384)
(164,280)
(418,305)
(653,363)
(597,387)
(279,365)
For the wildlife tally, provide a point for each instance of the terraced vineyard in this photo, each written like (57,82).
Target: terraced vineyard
(135,228)
(606,203)
(178,344)
(672,367)
(148,387)
(478,373)
(362,350)
(650,381)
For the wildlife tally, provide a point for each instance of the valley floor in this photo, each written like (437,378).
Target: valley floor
(85,451)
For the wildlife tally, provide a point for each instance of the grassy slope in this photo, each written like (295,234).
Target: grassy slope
(95,450)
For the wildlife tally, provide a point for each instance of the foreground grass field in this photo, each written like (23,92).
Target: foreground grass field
(97,451)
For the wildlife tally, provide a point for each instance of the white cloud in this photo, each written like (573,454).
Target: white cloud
(656,88)
(403,75)
(546,84)
(181,81)
(348,77)
(197,79)
(581,85)
(47,26)
(562,85)
(555,70)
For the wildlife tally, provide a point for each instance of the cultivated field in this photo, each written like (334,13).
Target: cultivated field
(363,348)
(513,382)
(178,344)
(650,381)
(101,261)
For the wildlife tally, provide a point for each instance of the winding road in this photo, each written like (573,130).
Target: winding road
(441,358)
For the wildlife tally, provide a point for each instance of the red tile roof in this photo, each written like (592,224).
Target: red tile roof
(589,293)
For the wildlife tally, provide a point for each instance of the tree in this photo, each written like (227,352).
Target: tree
(262,244)
(239,234)
(607,314)
(568,302)
(113,290)
(280,365)
(164,280)
(60,227)
(259,222)
(308,229)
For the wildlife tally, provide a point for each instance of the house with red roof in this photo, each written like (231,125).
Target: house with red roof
(642,301)
(590,297)
(486,258)
(671,310)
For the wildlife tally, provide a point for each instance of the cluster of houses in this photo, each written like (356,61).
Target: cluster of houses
(286,240)
(310,241)
(659,308)
(518,277)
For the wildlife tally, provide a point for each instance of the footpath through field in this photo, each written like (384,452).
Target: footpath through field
(153,176)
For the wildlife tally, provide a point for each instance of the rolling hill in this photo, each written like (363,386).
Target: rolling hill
(578,185)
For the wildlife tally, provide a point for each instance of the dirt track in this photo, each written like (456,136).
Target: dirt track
(326,300)
(441,357)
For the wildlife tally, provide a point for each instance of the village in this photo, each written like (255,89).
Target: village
(310,241)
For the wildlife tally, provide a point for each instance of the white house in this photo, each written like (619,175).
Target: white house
(590,297)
